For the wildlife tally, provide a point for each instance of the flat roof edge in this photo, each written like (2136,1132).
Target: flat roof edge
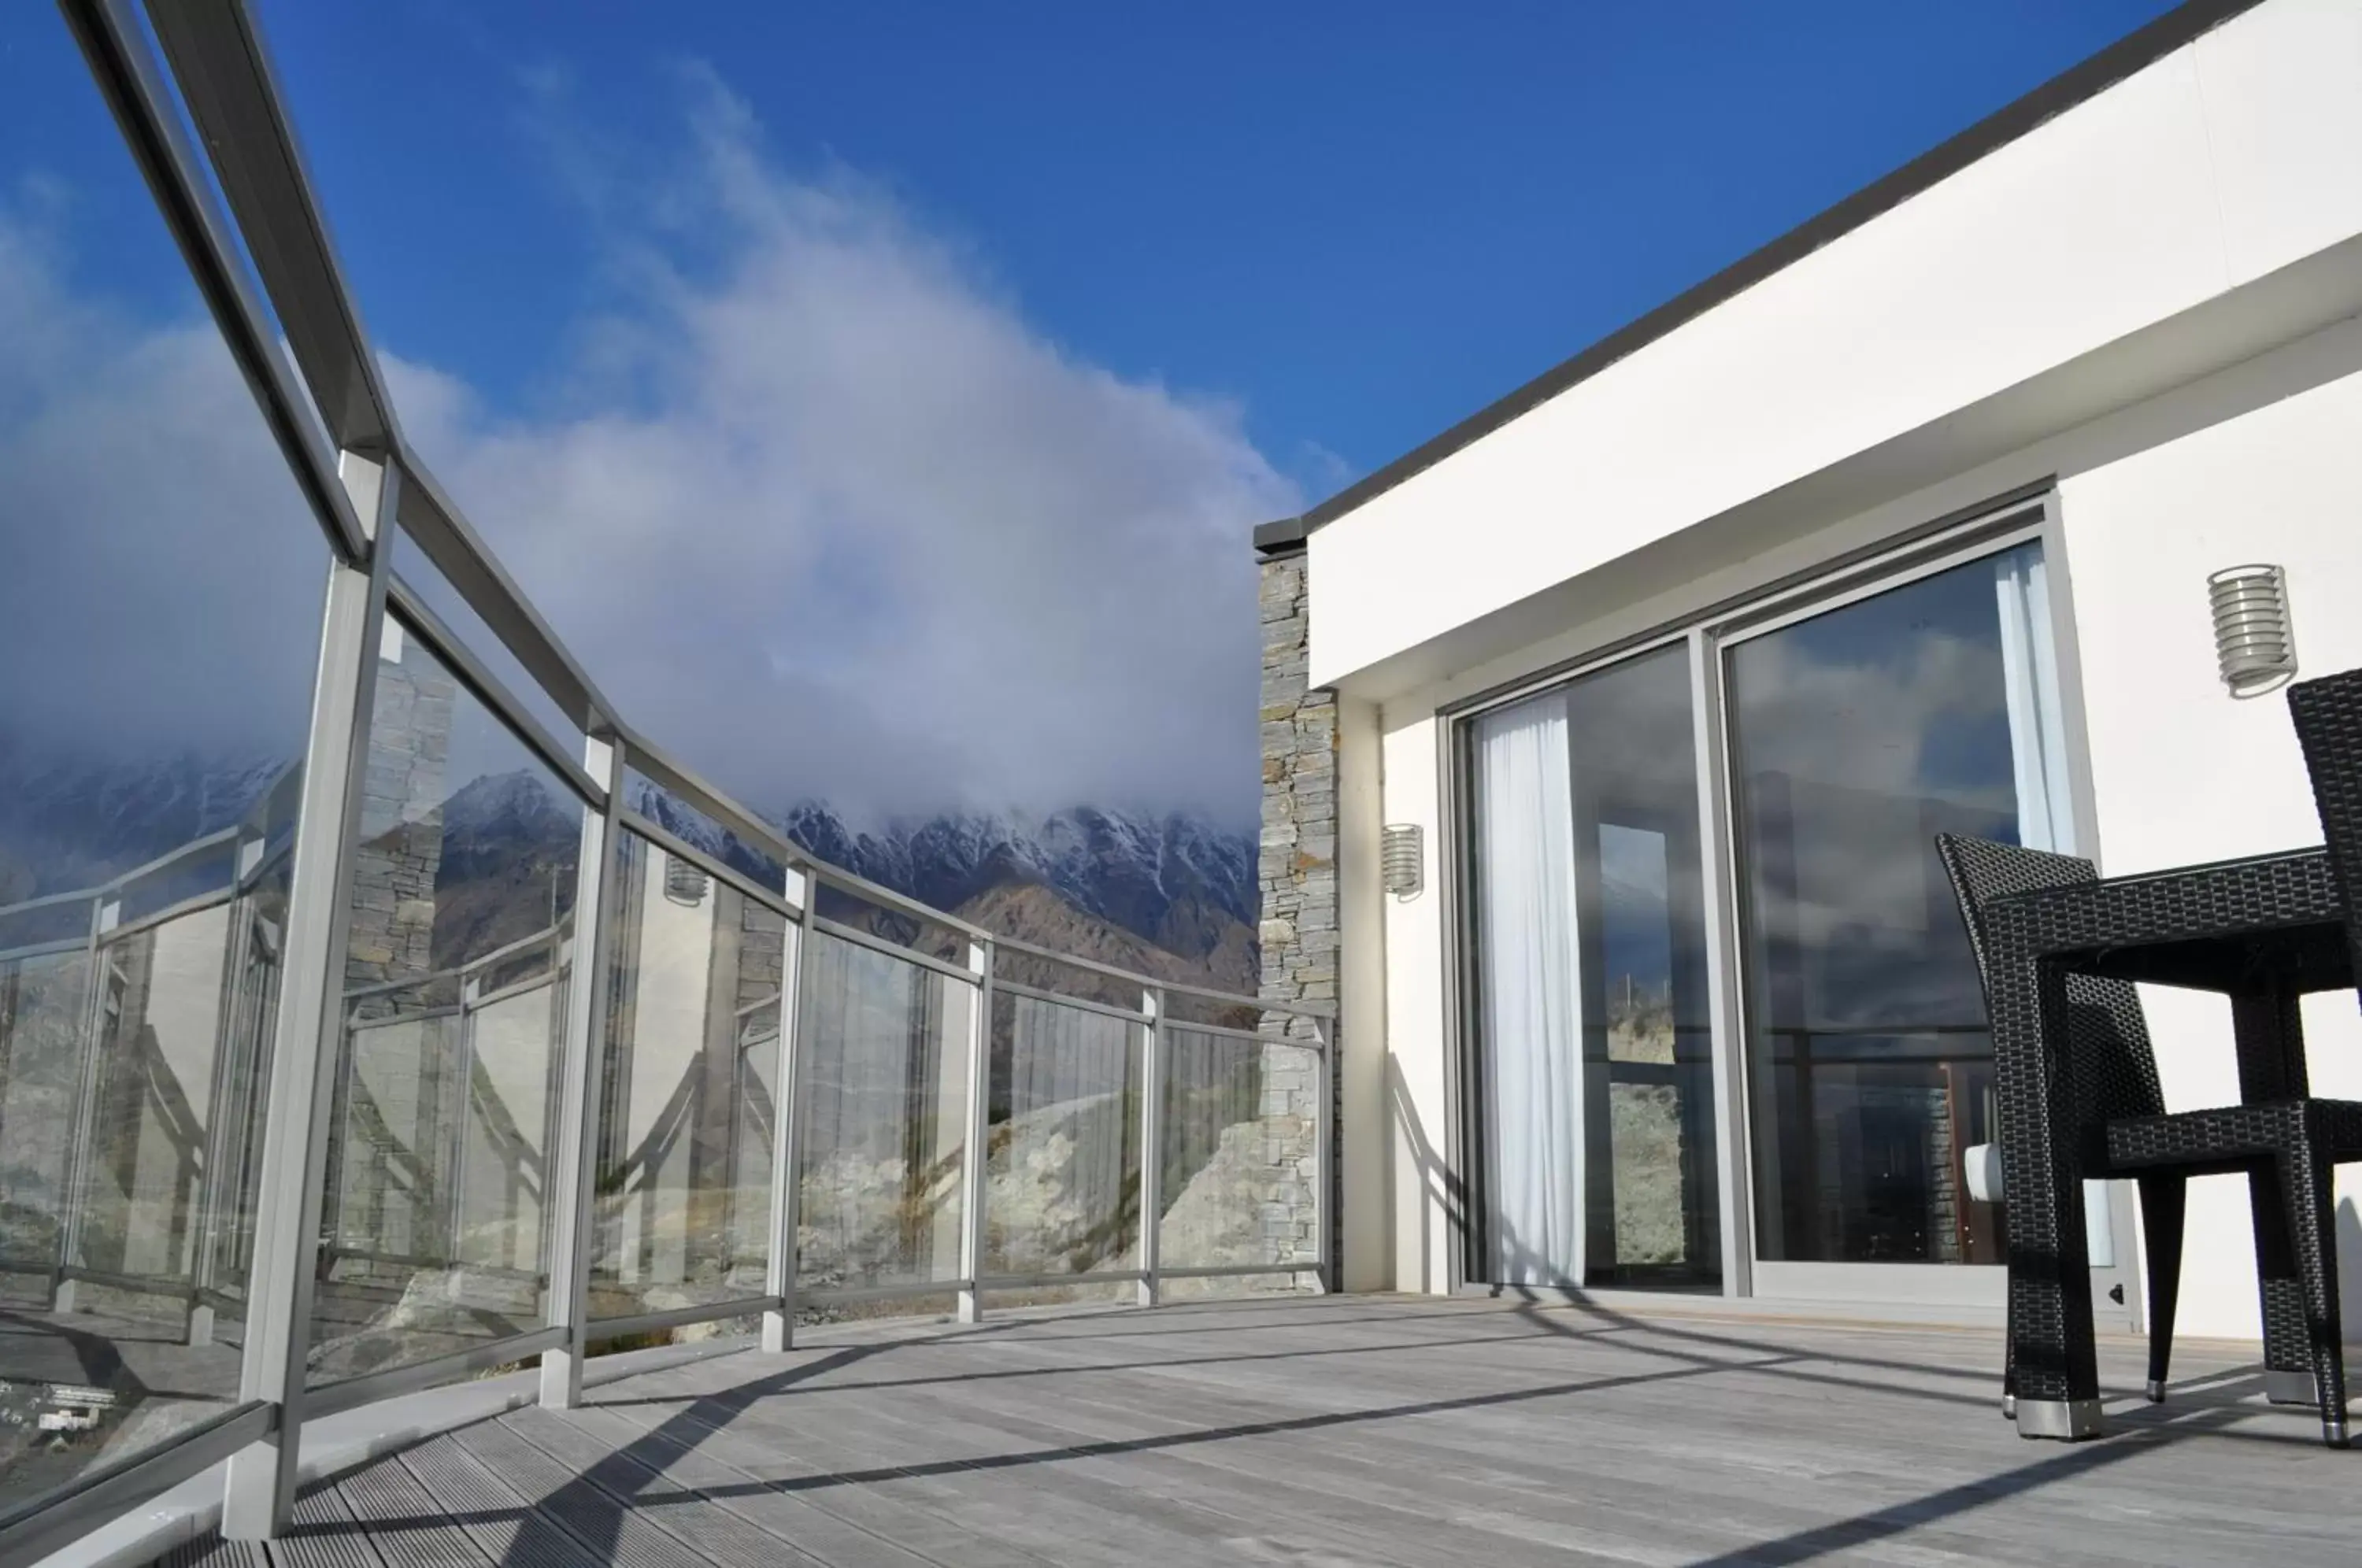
(1281,536)
(2079,83)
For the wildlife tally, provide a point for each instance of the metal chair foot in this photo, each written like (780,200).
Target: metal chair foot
(2009,1406)
(2157,1390)
(2070,1421)
(2333,1431)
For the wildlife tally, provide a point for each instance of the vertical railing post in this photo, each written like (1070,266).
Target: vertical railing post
(779,1322)
(1326,1167)
(104,911)
(980,1106)
(575,1163)
(1152,1140)
(220,1169)
(259,1493)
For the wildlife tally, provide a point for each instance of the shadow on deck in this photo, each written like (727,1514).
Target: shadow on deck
(1347,1430)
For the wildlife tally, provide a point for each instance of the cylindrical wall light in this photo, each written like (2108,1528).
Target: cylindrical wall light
(2253,644)
(1402,860)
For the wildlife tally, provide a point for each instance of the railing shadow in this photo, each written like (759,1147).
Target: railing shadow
(633,1476)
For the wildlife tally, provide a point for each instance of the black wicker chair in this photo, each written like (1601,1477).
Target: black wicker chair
(2328,714)
(2292,1145)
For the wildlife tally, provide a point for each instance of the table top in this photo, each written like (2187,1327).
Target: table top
(2228,926)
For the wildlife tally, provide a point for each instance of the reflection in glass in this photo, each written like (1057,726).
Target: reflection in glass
(883,1063)
(1062,1163)
(691,1067)
(1591,984)
(685,822)
(1857,736)
(1240,1179)
(433,1221)
(161,582)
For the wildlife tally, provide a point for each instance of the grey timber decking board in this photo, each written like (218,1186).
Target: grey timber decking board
(1383,1430)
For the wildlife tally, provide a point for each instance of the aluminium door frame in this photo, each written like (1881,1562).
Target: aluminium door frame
(2029,512)
(2032,520)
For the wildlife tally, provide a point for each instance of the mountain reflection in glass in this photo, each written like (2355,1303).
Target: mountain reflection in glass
(434,1214)
(161,578)
(1857,736)
(690,1073)
(882,1057)
(1592,986)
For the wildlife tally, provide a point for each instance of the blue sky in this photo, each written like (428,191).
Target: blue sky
(919,364)
(1361,221)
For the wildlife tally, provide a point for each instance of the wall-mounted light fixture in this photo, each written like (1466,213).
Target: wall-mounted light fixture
(1401,859)
(684,883)
(2253,644)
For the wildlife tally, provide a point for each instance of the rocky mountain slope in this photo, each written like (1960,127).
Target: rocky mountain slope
(1172,895)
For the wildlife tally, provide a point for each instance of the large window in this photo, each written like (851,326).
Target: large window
(1857,736)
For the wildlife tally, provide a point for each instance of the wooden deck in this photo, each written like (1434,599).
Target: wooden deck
(1353,1430)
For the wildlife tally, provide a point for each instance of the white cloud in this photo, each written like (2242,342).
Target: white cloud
(820,510)
(159,576)
(830,517)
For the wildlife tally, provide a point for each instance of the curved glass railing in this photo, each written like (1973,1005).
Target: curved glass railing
(378,1007)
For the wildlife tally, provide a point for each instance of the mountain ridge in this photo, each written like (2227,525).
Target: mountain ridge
(1174,882)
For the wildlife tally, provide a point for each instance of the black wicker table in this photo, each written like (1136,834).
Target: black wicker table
(2263,931)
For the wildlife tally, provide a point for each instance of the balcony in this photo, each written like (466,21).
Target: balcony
(1339,1429)
(387,1024)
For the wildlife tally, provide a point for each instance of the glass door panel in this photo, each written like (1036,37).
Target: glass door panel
(1857,736)
(1591,982)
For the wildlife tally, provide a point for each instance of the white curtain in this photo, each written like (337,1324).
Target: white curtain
(2037,734)
(2037,749)
(1526,958)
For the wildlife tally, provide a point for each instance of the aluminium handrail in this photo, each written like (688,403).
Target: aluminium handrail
(548,935)
(643,755)
(451,650)
(437,524)
(1080,1004)
(868,891)
(860,938)
(1297,1009)
(721,871)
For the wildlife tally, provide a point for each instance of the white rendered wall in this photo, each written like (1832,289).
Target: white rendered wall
(2228,159)
(2183,773)
(1365,1127)
(2233,469)
(1417,1069)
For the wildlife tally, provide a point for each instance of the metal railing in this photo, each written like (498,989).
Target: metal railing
(1223,1121)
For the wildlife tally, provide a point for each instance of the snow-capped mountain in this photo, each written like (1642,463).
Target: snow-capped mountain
(72,825)
(1176,881)
(1163,878)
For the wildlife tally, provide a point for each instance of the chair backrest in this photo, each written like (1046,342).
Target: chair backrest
(2111,1066)
(2328,714)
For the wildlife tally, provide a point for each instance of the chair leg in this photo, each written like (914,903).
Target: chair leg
(2308,1187)
(2164,1201)
(2008,1359)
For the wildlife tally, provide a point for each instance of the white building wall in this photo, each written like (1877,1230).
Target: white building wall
(2155,298)
(2219,164)
(1418,1068)
(2183,773)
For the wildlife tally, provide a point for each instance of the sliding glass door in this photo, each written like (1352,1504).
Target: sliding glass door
(1591,984)
(1849,731)
(1856,734)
